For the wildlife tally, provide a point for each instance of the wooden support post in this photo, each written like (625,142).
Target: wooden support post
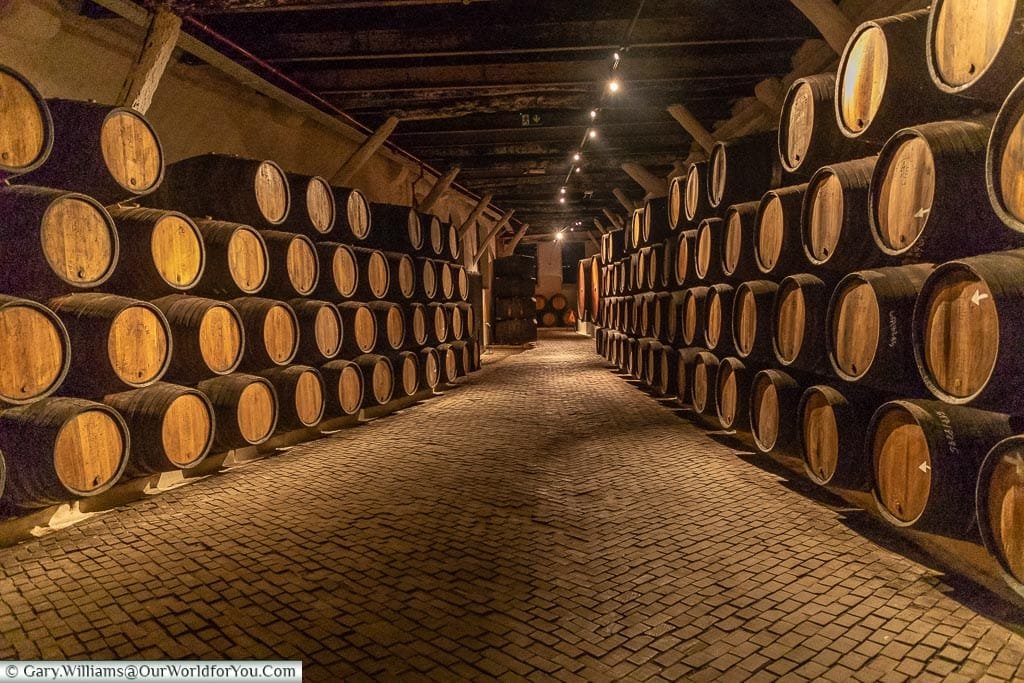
(771,94)
(365,152)
(614,218)
(162,35)
(692,126)
(438,190)
(655,185)
(475,214)
(590,236)
(483,246)
(626,202)
(600,226)
(510,248)
(747,121)
(835,27)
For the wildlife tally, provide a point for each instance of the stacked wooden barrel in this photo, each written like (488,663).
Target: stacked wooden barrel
(229,301)
(514,306)
(854,297)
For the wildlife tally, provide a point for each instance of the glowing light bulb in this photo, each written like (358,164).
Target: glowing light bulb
(593,133)
(614,85)
(593,113)
(576,157)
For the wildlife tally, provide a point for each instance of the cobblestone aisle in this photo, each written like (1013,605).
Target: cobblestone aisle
(544,520)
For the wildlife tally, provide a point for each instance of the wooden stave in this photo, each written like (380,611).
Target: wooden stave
(758,155)
(224,393)
(367,363)
(813,355)
(963,436)
(958,150)
(299,219)
(331,373)
(285,382)
(788,393)
(791,259)
(184,315)
(28,436)
(10,171)
(852,408)
(905,38)
(855,249)
(327,287)
(306,311)
(764,292)
(216,280)
(88,318)
(136,273)
(220,177)
(23,209)
(279,283)
(143,411)
(253,311)
(75,162)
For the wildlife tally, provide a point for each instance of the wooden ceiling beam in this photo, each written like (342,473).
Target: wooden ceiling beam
(210,7)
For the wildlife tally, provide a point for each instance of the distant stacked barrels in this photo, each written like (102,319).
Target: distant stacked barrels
(513,307)
(555,311)
(850,290)
(151,315)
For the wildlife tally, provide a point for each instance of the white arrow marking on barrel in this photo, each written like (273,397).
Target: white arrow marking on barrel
(922,213)
(978,297)
(924,467)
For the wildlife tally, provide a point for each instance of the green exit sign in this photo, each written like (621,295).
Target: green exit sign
(527,119)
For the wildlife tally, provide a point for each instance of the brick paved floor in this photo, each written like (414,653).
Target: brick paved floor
(546,520)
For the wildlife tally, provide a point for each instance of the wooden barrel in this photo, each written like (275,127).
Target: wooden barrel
(774,396)
(447,280)
(26,127)
(752,319)
(117,343)
(433,236)
(208,336)
(109,153)
(925,458)
(655,226)
(928,184)
(172,427)
(832,425)
(883,83)
(696,205)
(615,246)
(558,302)
(61,448)
(374,280)
(676,201)
(360,326)
(35,349)
(799,314)
(343,388)
(271,332)
(321,330)
(870,322)
(584,283)
(743,169)
(707,258)
(417,326)
(705,380)
(379,377)
(390,323)
(339,271)
(245,407)
(250,191)
(660,316)
(732,394)
(636,230)
(693,311)
(667,263)
(437,323)
(161,252)
(548,319)
(354,222)
(737,256)
(650,348)
(402,274)
(453,241)
(1004,176)
(835,232)
(808,135)
(654,260)
(395,228)
(975,49)
(428,277)
(685,362)
(300,393)
(718,318)
(673,317)
(777,231)
(469,319)
(313,211)
(430,367)
(462,287)
(237,261)
(648,303)
(664,372)
(682,270)
(63,241)
(967,323)
(407,368)
(449,363)
(294,264)
(998,507)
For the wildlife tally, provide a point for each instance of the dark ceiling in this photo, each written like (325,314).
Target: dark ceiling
(504,88)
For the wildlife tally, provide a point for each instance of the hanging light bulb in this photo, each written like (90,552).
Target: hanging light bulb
(593,114)
(614,85)
(593,133)
(563,190)
(576,156)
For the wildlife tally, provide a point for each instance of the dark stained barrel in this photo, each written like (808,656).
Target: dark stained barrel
(1004,177)
(59,449)
(428,279)
(832,423)
(117,343)
(300,393)
(379,379)
(63,241)
(693,311)
(162,252)
(294,264)
(271,332)
(230,188)
(407,371)
(683,272)
(343,388)
(883,83)
(208,335)
(447,280)
(171,426)
(707,258)
(26,127)
(774,396)
(462,286)
(339,271)
(799,315)
(751,319)
(437,323)
(433,236)
(743,169)
(928,184)
(718,319)
(237,262)
(664,373)
(449,363)
(417,327)
(430,367)
(360,328)
(926,456)
(705,381)
(732,397)
(453,243)
(401,275)
(354,221)
(696,205)
(655,227)
(321,330)
(109,153)
(313,212)
(390,323)
(374,280)
(998,507)
(35,351)
(245,407)
(737,256)
(685,361)
(666,276)
(395,228)
(676,200)
(777,231)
